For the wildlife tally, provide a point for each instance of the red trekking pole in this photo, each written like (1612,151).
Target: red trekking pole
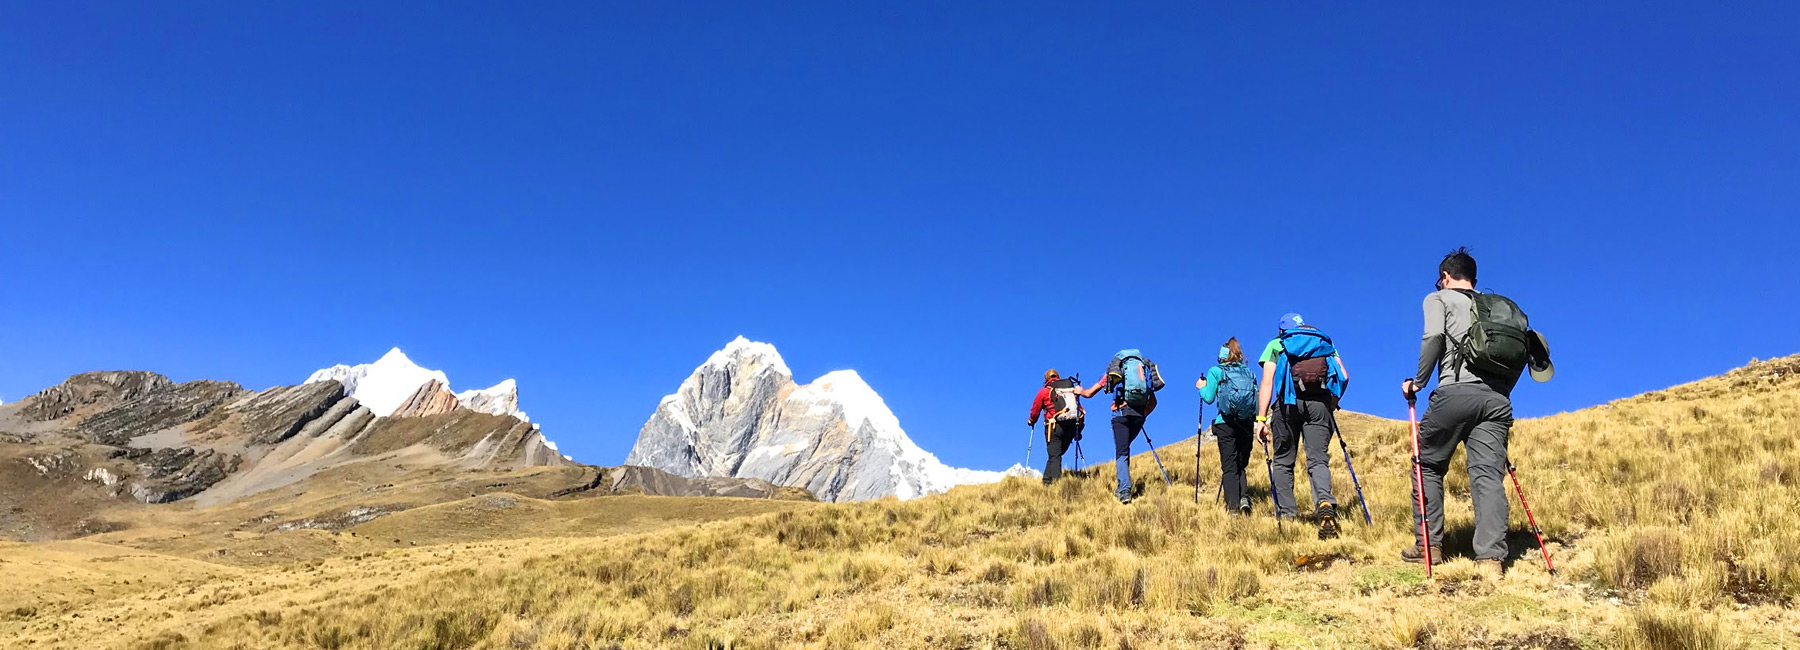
(1514,473)
(1412,416)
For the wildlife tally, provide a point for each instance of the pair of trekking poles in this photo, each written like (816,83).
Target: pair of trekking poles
(1412,417)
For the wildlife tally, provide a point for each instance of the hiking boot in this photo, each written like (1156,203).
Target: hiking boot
(1416,555)
(1496,565)
(1326,513)
(1124,499)
(1244,510)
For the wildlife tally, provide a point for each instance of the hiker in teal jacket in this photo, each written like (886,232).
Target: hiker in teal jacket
(1234,424)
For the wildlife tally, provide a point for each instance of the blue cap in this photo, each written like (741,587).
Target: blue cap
(1224,353)
(1290,321)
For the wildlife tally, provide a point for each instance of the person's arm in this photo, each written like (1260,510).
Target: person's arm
(1431,348)
(1264,390)
(1038,406)
(1209,387)
(1093,390)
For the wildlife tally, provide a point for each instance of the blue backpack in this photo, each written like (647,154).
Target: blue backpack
(1135,378)
(1309,365)
(1237,391)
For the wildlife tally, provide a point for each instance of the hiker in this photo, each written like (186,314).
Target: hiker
(1233,387)
(1472,403)
(1133,381)
(1060,403)
(1302,379)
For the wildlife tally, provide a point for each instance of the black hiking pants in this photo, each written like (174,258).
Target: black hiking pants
(1476,416)
(1234,436)
(1306,423)
(1059,437)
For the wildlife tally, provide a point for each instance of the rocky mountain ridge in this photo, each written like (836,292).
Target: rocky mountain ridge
(741,414)
(103,442)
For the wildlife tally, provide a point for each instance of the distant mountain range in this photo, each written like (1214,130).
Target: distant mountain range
(740,414)
(74,457)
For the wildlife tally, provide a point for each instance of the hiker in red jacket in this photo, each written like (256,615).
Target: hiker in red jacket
(1064,418)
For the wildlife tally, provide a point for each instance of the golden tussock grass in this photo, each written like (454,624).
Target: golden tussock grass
(1670,516)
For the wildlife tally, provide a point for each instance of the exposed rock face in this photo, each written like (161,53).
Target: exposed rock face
(174,473)
(741,415)
(90,388)
(431,399)
(500,399)
(158,409)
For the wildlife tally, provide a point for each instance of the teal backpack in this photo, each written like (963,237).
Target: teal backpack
(1135,378)
(1237,391)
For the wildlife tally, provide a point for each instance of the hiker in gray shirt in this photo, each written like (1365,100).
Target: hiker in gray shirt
(1469,406)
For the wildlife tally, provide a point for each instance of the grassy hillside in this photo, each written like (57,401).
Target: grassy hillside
(1671,517)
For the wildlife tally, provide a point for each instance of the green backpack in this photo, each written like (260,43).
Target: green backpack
(1497,333)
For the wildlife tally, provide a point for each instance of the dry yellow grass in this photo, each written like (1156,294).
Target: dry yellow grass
(1670,516)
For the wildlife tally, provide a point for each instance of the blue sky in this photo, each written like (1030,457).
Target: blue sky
(947,198)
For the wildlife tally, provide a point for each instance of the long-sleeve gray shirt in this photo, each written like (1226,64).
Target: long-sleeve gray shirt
(1446,321)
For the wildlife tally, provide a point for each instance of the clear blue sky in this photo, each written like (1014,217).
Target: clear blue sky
(592,197)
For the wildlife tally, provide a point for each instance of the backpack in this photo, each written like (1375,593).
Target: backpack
(1309,365)
(1496,342)
(1065,401)
(1237,391)
(1135,378)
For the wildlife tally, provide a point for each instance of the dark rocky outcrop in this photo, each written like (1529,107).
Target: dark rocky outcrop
(88,389)
(158,409)
(274,415)
(175,473)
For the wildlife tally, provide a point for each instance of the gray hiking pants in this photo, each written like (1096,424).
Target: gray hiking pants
(1476,415)
(1307,422)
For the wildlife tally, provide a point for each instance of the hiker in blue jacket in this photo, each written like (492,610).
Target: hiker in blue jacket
(1302,380)
(1133,380)
(1232,386)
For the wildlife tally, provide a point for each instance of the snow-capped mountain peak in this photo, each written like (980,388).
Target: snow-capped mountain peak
(382,386)
(499,399)
(385,386)
(740,414)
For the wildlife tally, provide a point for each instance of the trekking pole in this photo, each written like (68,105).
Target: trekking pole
(1080,458)
(1033,434)
(1269,460)
(1158,457)
(1512,471)
(1199,436)
(1367,520)
(1412,417)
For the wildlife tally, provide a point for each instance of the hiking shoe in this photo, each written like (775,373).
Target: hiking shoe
(1326,513)
(1416,555)
(1497,565)
(1244,510)
(1124,499)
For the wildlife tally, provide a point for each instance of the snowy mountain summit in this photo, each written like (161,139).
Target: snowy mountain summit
(394,383)
(740,414)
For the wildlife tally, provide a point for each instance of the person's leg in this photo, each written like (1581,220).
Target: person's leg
(1243,440)
(1283,429)
(1316,434)
(1231,472)
(1053,451)
(1123,433)
(1486,447)
(1444,424)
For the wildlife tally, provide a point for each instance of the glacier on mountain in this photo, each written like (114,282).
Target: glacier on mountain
(388,384)
(740,414)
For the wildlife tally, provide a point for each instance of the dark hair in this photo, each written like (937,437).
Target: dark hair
(1236,352)
(1459,264)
